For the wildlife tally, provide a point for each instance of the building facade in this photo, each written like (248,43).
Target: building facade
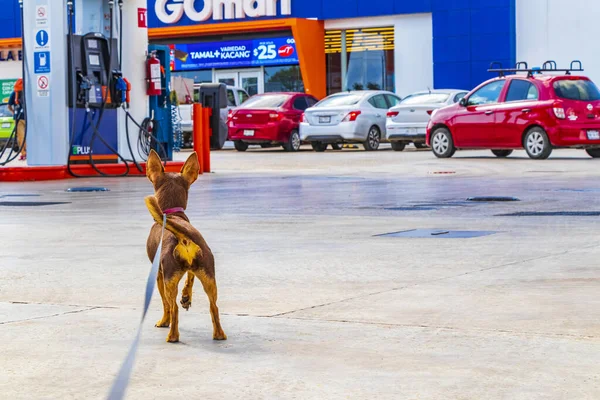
(327,46)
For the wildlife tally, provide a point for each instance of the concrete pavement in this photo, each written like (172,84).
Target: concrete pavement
(315,305)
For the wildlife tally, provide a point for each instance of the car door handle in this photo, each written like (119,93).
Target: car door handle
(526,110)
(489,112)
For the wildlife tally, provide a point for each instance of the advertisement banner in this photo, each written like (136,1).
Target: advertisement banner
(234,54)
(6,87)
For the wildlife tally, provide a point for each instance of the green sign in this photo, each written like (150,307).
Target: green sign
(7,86)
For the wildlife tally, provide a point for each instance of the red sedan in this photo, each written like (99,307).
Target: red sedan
(269,119)
(538,112)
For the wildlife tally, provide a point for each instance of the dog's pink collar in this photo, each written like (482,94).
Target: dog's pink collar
(173,210)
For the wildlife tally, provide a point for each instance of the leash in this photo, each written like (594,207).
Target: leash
(121,382)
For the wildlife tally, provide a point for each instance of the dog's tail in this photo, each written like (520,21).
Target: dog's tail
(181,233)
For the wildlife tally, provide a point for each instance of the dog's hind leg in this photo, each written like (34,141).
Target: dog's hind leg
(166,318)
(186,293)
(171,289)
(210,287)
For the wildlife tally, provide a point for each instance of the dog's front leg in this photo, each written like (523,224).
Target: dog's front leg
(186,293)
(171,287)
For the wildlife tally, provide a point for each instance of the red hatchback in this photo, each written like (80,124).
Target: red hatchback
(536,111)
(269,119)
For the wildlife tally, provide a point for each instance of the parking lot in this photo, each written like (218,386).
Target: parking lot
(317,301)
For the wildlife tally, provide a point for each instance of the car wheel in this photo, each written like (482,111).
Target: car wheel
(336,146)
(420,145)
(537,145)
(594,153)
(502,153)
(293,143)
(319,147)
(442,143)
(240,146)
(398,146)
(373,139)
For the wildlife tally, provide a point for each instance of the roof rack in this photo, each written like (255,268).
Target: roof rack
(522,66)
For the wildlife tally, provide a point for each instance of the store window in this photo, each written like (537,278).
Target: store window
(369,62)
(283,79)
(197,76)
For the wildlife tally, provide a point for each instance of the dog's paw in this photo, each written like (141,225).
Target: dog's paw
(186,302)
(220,336)
(173,338)
(162,323)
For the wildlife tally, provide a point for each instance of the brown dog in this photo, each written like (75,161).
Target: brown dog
(184,249)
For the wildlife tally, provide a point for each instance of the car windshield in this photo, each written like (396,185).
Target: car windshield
(4,111)
(267,101)
(580,89)
(346,99)
(426,98)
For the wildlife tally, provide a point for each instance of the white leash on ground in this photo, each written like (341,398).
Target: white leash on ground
(117,392)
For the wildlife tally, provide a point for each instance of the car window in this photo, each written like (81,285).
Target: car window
(426,98)
(378,101)
(392,100)
(520,89)
(576,89)
(230,98)
(300,103)
(267,101)
(243,96)
(311,101)
(460,96)
(346,99)
(4,111)
(489,94)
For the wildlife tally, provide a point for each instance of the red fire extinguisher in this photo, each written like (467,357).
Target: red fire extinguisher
(153,73)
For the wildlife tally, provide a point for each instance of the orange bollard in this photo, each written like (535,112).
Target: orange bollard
(206,134)
(198,122)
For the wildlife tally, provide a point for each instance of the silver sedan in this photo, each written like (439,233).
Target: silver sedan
(348,117)
(407,122)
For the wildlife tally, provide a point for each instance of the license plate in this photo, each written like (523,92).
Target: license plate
(324,120)
(408,131)
(248,133)
(593,135)
(6,124)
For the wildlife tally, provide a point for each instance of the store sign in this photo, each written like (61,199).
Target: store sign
(171,11)
(11,55)
(241,53)
(6,86)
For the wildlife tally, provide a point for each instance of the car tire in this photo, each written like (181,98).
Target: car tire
(537,145)
(420,145)
(293,143)
(442,143)
(319,147)
(594,153)
(337,146)
(373,139)
(240,146)
(398,146)
(502,153)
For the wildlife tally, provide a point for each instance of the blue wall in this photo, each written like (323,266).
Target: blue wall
(467,34)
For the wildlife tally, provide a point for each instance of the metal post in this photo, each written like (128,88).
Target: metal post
(344,62)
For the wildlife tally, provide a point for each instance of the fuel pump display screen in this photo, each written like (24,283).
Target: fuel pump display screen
(94,59)
(93,44)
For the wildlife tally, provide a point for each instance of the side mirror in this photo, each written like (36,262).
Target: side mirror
(462,102)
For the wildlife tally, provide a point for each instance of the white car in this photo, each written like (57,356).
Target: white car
(407,122)
(235,97)
(348,117)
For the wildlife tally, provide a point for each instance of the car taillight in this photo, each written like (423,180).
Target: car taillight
(559,111)
(392,114)
(274,116)
(229,115)
(351,117)
(303,119)
(429,112)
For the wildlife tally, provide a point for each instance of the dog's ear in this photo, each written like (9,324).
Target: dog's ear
(191,168)
(154,167)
